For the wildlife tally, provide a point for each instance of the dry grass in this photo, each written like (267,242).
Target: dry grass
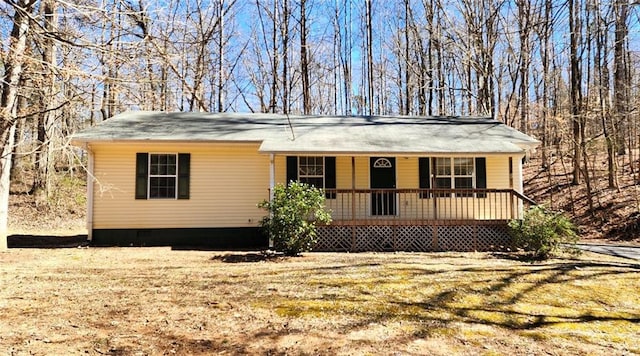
(162,301)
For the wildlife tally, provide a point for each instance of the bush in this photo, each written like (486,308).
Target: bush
(294,211)
(542,232)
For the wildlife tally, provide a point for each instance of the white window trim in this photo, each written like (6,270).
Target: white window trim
(149,176)
(323,176)
(382,163)
(453,175)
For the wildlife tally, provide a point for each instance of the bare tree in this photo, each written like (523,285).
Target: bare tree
(601,63)
(525,21)
(304,60)
(46,119)
(274,58)
(575,74)
(546,48)
(621,80)
(8,103)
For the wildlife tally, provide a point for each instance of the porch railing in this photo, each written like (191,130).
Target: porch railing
(423,206)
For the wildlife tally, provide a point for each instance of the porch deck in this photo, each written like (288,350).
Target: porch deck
(419,219)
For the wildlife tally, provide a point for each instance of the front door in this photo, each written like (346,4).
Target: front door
(383,181)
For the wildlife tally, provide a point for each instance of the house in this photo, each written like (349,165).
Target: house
(392,183)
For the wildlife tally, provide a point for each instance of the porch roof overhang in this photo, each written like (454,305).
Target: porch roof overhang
(406,136)
(353,147)
(335,135)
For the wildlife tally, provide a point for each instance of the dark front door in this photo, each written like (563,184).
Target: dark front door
(383,183)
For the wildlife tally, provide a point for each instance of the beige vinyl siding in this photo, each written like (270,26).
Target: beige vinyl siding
(517,173)
(226,183)
(498,172)
(362,173)
(343,172)
(281,169)
(407,175)
(227,180)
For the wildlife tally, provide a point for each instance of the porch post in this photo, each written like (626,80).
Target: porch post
(272,174)
(90,184)
(353,203)
(520,186)
(272,184)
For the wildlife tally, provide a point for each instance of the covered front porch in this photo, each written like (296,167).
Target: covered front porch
(410,196)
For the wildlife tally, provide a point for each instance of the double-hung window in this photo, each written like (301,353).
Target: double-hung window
(162,175)
(463,170)
(456,173)
(317,171)
(311,171)
(443,173)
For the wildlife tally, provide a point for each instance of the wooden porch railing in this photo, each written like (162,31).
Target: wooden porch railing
(423,206)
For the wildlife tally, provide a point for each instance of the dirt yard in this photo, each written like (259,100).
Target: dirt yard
(155,301)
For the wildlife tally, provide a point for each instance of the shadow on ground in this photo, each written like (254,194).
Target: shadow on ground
(46,241)
(248,257)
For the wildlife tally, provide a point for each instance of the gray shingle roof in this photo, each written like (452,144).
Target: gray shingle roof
(316,134)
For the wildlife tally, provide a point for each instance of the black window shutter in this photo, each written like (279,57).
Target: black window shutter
(424,168)
(481,175)
(142,170)
(184,168)
(292,168)
(330,176)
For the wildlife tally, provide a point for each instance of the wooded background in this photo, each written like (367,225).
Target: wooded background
(565,72)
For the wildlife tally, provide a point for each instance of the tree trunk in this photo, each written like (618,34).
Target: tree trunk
(369,52)
(602,67)
(284,33)
(274,61)
(420,65)
(545,53)
(8,101)
(407,70)
(221,53)
(304,60)
(524,28)
(20,158)
(431,44)
(621,77)
(575,91)
(42,183)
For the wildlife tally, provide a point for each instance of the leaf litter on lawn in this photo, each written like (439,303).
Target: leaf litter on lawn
(158,301)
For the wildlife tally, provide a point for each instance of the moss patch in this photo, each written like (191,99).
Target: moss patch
(555,301)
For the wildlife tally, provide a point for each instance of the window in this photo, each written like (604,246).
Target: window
(382,163)
(454,173)
(314,170)
(163,178)
(463,173)
(162,175)
(311,171)
(443,173)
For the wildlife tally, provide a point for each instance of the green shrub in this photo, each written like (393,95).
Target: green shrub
(294,211)
(542,232)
